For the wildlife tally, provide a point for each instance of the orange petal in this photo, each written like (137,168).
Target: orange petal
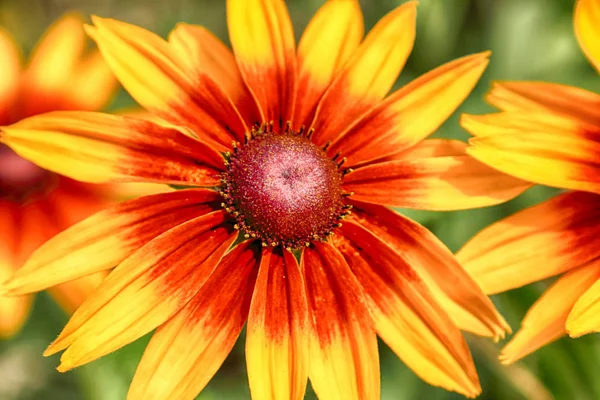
(187,350)
(344,363)
(585,315)
(144,291)
(433,183)
(412,113)
(560,157)
(564,100)
(535,243)
(262,38)
(452,287)
(107,238)
(545,320)
(406,315)
(277,333)
(328,41)
(97,148)
(151,71)
(70,295)
(93,85)
(13,310)
(587,29)
(203,53)
(54,60)
(10,60)
(369,74)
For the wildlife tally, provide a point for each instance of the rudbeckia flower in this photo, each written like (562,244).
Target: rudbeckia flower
(35,203)
(547,134)
(290,157)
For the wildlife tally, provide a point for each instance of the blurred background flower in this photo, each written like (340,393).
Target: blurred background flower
(529,39)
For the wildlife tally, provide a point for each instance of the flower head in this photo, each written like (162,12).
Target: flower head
(547,134)
(36,203)
(290,156)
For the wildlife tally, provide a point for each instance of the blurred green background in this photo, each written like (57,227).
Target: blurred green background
(529,39)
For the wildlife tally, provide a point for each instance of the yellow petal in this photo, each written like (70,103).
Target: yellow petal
(151,71)
(262,38)
(144,291)
(330,38)
(97,148)
(433,182)
(545,320)
(203,53)
(563,158)
(107,238)
(277,333)
(569,101)
(411,113)
(187,350)
(535,243)
(343,358)
(369,74)
(406,315)
(585,315)
(70,295)
(452,287)
(587,29)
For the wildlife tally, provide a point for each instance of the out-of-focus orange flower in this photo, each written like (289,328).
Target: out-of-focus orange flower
(284,142)
(35,203)
(547,134)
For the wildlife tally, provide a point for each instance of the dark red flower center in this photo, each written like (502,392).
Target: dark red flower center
(19,177)
(283,189)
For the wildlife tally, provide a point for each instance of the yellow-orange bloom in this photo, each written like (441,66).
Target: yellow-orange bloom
(547,134)
(280,143)
(35,204)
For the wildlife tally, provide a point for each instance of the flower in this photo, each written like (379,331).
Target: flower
(279,146)
(548,134)
(35,203)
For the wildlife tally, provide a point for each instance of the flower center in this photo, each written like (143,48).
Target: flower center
(19,177)
(283,189)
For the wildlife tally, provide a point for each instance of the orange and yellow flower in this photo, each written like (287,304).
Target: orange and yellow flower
(35,203)
(547,134)
(277,145)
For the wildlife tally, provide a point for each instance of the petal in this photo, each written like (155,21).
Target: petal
(262,38)
(406,315)
(369,74)
(535,243)
(520,121)
(563,158)
(330,38)
(451,286)
(93,85)
(144,291)
(564,100)
(412,113)
(585,315)
(10,73)
(187,350)
(277,332)
(545,320)
(97,148)
(203,53)
(107,238)
(344,363)
(52,64)
(433,183)
(587,29)
(151,71)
